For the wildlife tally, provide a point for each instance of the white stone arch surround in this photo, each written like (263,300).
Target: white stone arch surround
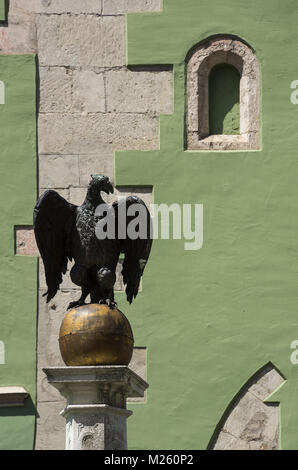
(2,352)
(249,423)
(201,60)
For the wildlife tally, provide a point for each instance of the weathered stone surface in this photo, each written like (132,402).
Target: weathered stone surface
(77,195)
(23,6)
(50,427)
(266,384)
(83,40)
(25,244)
(50,317)
(50,402)
(58,171)
(62,191)
(55,89)
(247,409)
(55,134)
(145,193)
(102,163)
(261,431)
(88,92)
(76,134)
(69,6)
(117,7)
(228,442)
(251,423)
(139,92)
(12,396)
(66,284)
(119,285)
(20,35)
(138,364)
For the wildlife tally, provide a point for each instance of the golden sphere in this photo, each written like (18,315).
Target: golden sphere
(95,334)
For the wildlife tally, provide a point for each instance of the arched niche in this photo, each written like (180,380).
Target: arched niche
(203,60)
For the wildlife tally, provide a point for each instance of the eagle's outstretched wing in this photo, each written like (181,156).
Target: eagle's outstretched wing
(54,218)
(136,250)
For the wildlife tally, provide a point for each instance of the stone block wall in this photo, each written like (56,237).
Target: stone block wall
(90,105)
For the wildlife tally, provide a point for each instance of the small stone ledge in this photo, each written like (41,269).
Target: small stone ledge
(25,244)
(74,7)
(92,409)
(12,396)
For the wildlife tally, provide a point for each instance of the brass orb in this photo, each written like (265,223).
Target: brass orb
(95,334)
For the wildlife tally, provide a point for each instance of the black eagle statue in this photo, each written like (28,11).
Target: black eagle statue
(65,232)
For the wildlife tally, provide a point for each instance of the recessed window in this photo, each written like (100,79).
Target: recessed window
(224,100)
(222,96)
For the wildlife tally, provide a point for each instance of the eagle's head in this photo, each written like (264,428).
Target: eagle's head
(99,183)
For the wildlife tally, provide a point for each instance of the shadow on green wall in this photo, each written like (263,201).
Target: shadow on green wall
(29,409)
(224,106)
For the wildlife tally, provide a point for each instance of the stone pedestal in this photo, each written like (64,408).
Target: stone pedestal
(96,411)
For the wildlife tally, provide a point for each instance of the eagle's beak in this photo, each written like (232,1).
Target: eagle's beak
(109,189)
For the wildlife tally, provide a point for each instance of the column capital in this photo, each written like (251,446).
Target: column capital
(96,404)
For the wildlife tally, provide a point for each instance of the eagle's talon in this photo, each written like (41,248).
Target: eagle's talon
(110,303)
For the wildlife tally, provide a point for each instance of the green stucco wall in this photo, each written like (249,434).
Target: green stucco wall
(2,10)
(17,274)
(211,318)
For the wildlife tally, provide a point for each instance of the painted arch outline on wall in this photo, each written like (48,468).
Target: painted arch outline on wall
(251,421)
(240,312)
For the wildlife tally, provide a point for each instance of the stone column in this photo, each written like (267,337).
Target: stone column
(96,404)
